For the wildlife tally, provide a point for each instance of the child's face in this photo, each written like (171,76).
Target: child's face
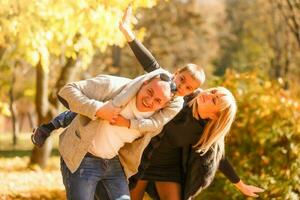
(185,83)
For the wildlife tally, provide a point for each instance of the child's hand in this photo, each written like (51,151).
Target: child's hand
(124,24)
(108,111)
(120,121)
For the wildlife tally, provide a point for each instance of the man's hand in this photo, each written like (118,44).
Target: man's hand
(107,111)
(248,190)
(120,121)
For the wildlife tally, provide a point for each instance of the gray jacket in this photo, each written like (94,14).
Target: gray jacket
(85,97)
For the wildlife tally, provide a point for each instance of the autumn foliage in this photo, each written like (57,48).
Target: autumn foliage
(264,141)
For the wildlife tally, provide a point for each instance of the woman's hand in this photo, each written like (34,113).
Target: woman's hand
(120,121)
(248,190)
(124,25)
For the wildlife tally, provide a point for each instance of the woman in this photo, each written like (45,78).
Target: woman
(199,129)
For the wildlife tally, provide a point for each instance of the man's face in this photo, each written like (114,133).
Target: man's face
(153,95)
(185,83)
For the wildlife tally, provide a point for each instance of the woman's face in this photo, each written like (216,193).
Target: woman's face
(208,104)
(185,83)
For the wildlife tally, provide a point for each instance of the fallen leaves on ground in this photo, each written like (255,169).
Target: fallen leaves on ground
(18,181)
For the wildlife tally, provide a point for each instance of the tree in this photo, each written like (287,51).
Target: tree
(12,108)
(58,36)
(290,9)
(177,33)
(260,37)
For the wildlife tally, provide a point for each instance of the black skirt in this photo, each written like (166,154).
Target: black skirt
(163,174)
(164,165)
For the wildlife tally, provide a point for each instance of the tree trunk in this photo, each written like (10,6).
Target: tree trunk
(66,75)
(40,155)
(13,111)
(116,56)
(31,120)
(44,102)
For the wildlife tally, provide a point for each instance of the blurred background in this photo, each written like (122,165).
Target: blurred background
(251,47)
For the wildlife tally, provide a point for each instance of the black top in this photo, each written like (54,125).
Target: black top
(184,130)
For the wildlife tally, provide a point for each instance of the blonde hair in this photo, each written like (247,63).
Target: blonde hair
(195,71)
(215,130)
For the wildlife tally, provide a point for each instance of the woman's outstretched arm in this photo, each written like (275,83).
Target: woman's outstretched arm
(143,55)
(227,169)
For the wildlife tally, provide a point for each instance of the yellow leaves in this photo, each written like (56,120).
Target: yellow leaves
(44,56)
(141,34)
(16,178)
(30,92)
(144,3)
(69,53)
(44,28)
(18,181)
(48,35)
(280,81)
(267,84)
(124,3)
(265,160)
(32,57)
(4,109)
(2,39)
(82,4)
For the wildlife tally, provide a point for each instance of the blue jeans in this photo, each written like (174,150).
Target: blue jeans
(63,119)
(81,185)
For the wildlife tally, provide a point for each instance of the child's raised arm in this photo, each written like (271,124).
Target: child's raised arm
(143,55)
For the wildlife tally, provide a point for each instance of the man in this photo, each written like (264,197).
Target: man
(92,149)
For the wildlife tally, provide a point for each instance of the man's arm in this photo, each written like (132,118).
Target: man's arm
(87,97)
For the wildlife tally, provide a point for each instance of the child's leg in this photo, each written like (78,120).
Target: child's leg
(41,133)
(63,119)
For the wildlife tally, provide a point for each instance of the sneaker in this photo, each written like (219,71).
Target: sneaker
(39,136)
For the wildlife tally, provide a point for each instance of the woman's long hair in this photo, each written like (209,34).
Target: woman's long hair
(215,130)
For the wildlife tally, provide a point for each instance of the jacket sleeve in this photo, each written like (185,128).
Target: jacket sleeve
(143,55)
(159,119)
(226,168)
(84,97)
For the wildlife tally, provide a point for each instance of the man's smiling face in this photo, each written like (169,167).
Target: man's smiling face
(153,95)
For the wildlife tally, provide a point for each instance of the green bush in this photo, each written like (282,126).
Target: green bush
(263,144)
